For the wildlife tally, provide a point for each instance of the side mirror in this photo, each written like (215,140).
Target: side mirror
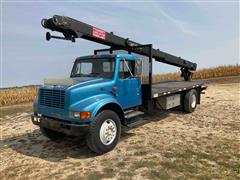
(48,36)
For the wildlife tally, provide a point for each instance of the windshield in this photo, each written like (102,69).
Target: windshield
(94,68)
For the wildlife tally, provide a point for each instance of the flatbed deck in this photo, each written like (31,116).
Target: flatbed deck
(170,87)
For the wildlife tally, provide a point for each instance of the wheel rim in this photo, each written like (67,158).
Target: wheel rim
(108,132)
(194,101)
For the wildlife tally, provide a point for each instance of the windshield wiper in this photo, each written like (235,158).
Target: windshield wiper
(77,75)
(94,74)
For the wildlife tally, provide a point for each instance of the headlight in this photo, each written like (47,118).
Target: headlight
(76,114)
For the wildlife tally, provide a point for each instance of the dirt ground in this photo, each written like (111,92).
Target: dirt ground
(173,145)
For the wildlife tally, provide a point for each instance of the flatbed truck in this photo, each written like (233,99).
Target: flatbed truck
(108,89)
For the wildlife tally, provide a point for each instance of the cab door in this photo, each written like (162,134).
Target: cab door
(129,84)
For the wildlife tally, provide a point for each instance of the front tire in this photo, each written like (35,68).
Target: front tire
(104,132)
(53,135)
(190,101)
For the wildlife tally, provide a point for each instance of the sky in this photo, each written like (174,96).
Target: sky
(203,32)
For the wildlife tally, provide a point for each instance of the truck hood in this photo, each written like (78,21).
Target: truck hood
(67,82)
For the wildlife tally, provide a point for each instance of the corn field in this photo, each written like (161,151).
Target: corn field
(17,95)
(10,96)
(220,71)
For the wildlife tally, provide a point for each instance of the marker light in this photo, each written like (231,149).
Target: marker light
(85,115)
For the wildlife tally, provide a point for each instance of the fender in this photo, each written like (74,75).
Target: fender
(93,104)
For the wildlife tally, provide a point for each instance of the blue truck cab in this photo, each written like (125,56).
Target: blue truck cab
(92,101)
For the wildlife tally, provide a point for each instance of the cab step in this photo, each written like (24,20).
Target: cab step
(132,113)
(136,123)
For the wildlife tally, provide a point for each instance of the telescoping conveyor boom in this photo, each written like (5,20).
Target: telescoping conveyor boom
(72,29)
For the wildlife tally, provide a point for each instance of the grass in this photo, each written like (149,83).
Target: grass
(121,164)
(94,175)
(144,163)
(158,174)
(222,158)
(17,95)
(140,153)
(180,166)
(106,173)
(216,161)
(126,175)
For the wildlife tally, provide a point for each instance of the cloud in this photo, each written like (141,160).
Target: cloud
(157,9)
(180,24)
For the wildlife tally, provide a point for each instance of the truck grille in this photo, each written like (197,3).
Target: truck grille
(52,98)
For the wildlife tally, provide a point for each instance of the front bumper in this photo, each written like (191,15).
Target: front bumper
(67,128)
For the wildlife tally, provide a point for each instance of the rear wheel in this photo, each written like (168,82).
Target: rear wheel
(190,101)
(53,135)
(104,132)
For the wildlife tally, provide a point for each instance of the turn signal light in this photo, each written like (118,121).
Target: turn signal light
(85,115)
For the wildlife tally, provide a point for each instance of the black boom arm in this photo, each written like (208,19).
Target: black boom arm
(72,29)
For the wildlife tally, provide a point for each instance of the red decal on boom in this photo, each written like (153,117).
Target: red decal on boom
(98,33)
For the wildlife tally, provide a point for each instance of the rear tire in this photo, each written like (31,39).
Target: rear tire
(53,135)
(104,132)
(190,101)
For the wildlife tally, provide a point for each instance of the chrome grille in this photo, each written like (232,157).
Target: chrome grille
(52,98)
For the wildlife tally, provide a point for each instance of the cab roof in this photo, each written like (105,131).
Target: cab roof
(121,56)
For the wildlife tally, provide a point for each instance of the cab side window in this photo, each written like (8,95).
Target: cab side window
(126,69)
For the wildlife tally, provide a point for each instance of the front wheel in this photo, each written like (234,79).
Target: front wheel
(104,132)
